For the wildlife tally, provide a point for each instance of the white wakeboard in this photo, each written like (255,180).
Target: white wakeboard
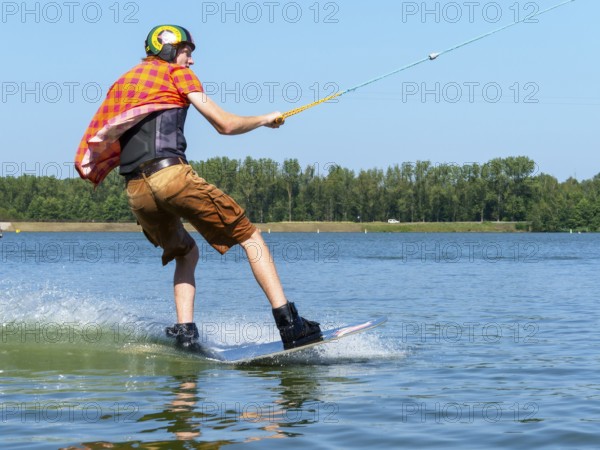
(254,352)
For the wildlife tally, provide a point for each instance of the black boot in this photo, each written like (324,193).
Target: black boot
(295,331)
(186,337)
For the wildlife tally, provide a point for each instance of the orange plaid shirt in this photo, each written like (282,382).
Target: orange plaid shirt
(151,86)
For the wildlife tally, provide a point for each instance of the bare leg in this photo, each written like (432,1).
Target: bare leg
(293,329)
(184,283)
(264,269)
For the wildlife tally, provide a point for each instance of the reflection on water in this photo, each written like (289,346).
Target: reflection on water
(191,416)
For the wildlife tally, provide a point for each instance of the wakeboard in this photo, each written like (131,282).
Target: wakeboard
(255,352)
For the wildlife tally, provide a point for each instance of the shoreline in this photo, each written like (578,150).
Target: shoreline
(286,227)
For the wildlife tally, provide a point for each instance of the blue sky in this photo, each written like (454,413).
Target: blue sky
(531,90)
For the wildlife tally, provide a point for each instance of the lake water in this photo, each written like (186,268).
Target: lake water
(492,342)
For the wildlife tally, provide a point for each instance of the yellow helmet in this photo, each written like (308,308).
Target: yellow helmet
(162,41)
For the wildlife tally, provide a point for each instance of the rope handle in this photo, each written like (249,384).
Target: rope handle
(295,111)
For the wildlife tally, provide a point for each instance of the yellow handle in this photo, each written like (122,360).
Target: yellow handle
(285,115)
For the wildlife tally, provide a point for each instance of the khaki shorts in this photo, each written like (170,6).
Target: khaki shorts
(161,200)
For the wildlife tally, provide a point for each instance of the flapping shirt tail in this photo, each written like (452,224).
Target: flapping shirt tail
(150,86)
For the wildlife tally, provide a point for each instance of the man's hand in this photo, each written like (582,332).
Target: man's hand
(274,120)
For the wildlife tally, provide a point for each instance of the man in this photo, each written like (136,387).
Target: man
(139,127)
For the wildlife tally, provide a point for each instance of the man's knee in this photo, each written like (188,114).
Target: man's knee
(255,237)
(194,253)
(191,257)
(255,247)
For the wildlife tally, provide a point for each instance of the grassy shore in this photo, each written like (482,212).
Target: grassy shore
(297,227)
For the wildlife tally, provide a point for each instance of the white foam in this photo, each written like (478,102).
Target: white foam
(47,306)
(50,305)
(368,345)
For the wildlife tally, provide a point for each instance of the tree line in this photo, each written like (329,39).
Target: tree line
(502,189)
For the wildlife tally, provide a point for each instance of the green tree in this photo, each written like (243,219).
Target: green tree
(291,177)
(421,191)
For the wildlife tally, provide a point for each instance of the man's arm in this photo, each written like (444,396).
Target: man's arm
(228,123)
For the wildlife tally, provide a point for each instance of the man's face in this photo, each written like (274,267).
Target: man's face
(184,56)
